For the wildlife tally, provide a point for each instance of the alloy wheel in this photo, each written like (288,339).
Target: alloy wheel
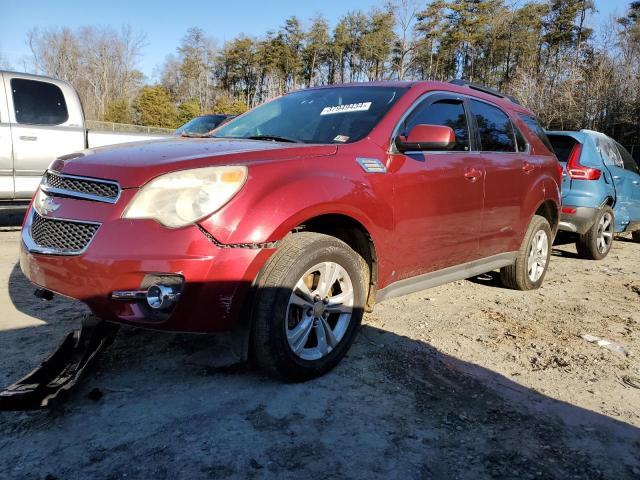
(605,232)
(319,310)
(538,255)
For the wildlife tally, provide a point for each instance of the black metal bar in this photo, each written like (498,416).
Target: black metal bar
(51,382)
(482,88)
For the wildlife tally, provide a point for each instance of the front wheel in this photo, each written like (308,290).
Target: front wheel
(636,236)
(532,261)
(596,243)
(309,302)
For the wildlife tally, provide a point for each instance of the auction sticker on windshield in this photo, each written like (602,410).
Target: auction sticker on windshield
(352,107)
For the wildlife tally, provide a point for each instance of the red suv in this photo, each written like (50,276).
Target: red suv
(298,216)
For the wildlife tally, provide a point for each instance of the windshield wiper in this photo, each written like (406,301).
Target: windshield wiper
(274,138)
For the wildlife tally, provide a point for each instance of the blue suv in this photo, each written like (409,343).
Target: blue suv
(600,190)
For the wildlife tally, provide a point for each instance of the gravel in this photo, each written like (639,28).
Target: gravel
(465,381)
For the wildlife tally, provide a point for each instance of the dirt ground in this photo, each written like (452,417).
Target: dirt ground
(464,381)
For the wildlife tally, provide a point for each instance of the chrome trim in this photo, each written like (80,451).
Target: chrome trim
(129,295)
(75,194)
(446,275)
(567,226)
(33,247)
(455,96)
(372,165)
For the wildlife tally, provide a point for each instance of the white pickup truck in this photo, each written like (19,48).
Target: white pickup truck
(41,118)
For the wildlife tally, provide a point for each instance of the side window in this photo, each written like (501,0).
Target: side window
(38,103)
(449,113)
(494,127)
(608,150)
(536,129)
(628,161)
(521,143)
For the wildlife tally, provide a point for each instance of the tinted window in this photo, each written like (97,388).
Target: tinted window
(200,125)
(494,127)
(627,159)
(38,103)
(521,143)
(607,149)
(448,113)
(321,115)
(536,129)
(562,146)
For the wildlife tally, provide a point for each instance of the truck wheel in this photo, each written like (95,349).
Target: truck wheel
(309,302)
(530,267)
(596,243)
(636,236)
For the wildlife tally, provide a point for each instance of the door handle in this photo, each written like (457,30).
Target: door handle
(472,174)
(28,138)
(527,167)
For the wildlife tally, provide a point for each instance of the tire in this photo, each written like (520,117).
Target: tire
(596,243)
(636,236)
(519,276)
(280,319)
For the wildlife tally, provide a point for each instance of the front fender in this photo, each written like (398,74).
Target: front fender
(276,200)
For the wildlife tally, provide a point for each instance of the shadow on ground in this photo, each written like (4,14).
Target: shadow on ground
(394,408)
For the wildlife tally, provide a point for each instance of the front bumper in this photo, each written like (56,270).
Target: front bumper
(123,253)
(579,222)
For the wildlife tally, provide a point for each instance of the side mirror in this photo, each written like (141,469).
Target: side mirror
(427,137)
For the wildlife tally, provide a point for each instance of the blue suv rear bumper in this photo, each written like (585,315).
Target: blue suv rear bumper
(579,222)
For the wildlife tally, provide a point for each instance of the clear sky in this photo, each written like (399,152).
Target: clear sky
(165,22)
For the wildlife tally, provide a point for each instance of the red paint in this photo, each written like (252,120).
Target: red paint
(427,212)
(431,135)
(569,210)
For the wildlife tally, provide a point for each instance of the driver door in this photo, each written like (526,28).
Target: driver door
(438,195)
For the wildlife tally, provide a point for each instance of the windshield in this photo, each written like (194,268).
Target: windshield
(325,115)
(201,125)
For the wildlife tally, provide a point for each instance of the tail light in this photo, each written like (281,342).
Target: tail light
(576,171)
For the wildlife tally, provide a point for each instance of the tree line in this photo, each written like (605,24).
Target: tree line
(541,51)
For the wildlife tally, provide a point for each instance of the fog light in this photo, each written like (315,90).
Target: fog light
(161,297)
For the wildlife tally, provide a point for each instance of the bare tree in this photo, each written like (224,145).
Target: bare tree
(406,13)
(99,62)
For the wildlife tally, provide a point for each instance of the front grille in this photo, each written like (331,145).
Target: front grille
(63,236)
(69,185)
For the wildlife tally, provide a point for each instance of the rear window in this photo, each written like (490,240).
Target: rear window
(38,103)
(536,129)
(562,146)
(494,126)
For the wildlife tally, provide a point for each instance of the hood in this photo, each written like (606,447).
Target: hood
(134,164)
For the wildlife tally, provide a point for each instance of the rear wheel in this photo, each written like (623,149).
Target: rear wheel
(596,243)
(530,267)
(308,306)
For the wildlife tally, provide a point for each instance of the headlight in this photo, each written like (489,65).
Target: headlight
(180,198)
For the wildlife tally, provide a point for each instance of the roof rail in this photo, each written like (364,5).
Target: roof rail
(482,88)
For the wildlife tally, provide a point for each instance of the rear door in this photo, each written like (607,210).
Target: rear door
(509,172)
(438,194)
(632,173)
(6,151)
(624,208)
(42,128)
